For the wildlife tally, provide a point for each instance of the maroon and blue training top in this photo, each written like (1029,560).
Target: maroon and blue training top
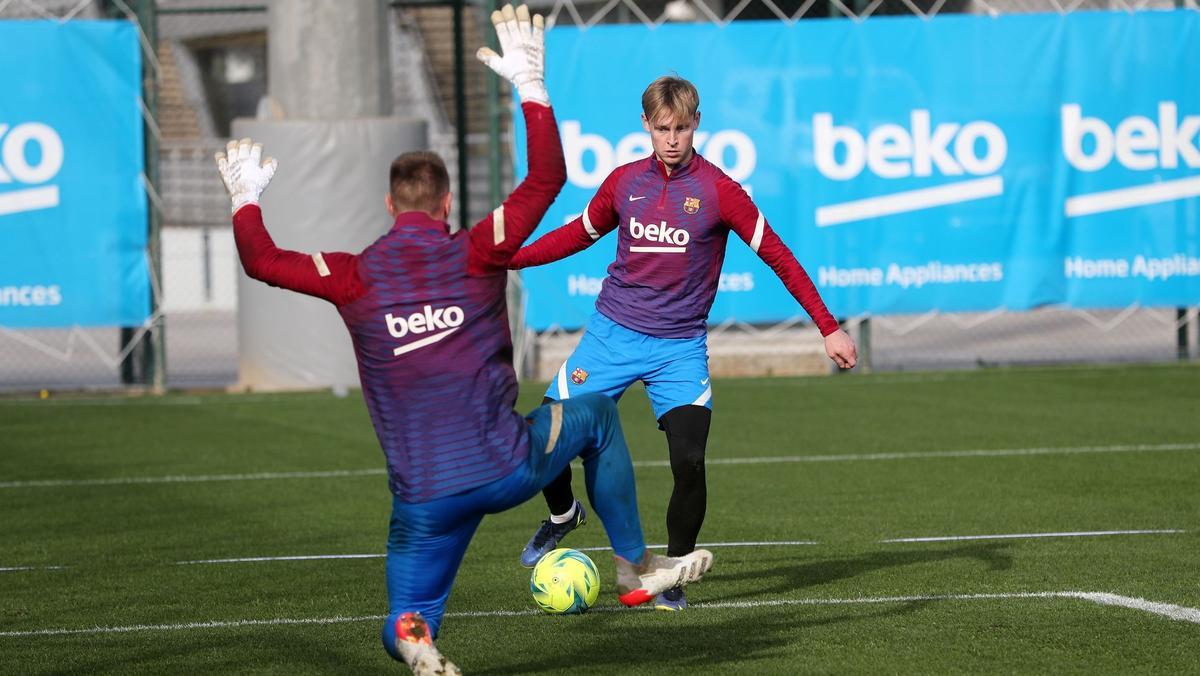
(670,246)
(427,315)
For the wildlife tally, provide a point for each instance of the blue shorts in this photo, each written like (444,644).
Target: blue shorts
(427,540)
(610,358)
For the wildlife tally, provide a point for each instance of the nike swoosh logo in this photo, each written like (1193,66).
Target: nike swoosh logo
(634,199)
(704,382)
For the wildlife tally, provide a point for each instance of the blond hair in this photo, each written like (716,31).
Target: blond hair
(671,94)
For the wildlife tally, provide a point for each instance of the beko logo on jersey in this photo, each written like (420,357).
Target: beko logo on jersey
(444,320)
(659,234)
(729,149)
(891,151)
(1137,143)
(17,167)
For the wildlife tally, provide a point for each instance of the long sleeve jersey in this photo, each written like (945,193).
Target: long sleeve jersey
(427,315)
(672,231)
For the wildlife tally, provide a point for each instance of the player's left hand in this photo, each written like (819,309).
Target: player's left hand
(840,348)
(523,41)
(245,172)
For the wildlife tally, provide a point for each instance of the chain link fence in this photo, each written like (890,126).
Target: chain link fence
(78,357)
(928,341)
(209,65)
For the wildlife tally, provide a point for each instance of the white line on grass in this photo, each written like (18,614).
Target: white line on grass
(260,559)
(761,543)
(194,478)
(778,543)
(981,453)
(1168,610)
(849,457)
(319,557)
(121,399)
(190,625)
(1165,609)
(962,376)
(1022,536)
(13,569)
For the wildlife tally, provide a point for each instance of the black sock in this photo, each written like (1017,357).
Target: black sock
(687,437)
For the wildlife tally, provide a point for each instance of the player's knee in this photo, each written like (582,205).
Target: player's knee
(687,437)
(687,458)
(602,406)
(608,407)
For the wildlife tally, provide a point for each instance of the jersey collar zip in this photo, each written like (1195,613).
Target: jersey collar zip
(680,171)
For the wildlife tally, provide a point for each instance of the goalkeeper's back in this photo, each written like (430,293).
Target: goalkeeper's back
(427,314)
(435,361)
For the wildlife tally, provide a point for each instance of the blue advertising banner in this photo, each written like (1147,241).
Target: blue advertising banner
(965,163)
(72,204)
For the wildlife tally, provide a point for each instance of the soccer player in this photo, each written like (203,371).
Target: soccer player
(427,316)
(673,212)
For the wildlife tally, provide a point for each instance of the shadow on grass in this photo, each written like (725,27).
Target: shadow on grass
(264,650)
(791,577)
(614,644)
(630,642)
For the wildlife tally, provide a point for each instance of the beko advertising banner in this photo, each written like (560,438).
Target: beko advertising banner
(72,201)
(963,163)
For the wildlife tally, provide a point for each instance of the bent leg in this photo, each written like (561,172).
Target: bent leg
(607,361)
(426,544)
(588,427)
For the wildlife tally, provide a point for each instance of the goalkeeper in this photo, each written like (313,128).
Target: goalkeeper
(673,212)
(427,315)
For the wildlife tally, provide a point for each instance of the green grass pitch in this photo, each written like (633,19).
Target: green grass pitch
(102,498)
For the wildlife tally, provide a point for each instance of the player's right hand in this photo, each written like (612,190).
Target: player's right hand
(840,348)
(523,42)
(245,172)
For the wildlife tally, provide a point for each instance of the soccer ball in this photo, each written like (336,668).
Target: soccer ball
(565,581)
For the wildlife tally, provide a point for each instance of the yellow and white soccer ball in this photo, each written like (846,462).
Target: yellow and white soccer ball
(565,581)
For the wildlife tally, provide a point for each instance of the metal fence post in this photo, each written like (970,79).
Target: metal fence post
(864,345)
(460,115)
(154,358)
(1182,345)
(493,107)
(145,364)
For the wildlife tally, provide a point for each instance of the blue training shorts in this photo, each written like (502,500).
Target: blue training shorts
(610,358)
(427,540)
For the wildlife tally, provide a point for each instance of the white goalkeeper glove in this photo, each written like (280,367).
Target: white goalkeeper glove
(524,45)
(244,171)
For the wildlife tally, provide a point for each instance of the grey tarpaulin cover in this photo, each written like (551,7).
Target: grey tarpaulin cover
(327,195)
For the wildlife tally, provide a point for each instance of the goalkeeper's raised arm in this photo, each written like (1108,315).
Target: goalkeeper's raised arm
(327,275)
(496,238)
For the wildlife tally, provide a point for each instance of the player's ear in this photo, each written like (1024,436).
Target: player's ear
(645,122)
(391,207)
(446,202)
(696,121)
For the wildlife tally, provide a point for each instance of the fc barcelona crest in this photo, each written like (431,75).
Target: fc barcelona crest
(691,204)
(579,376)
